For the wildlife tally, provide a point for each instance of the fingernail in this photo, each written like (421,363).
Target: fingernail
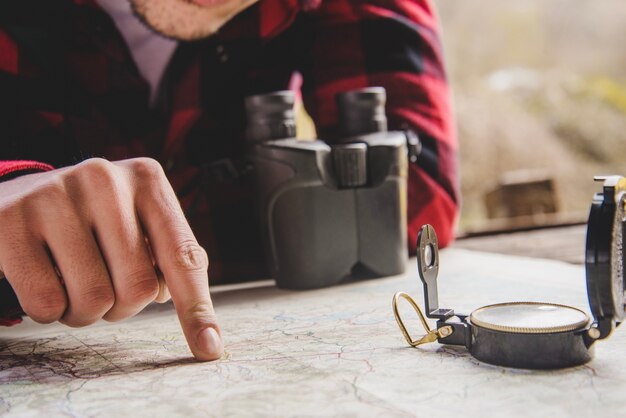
(210,342)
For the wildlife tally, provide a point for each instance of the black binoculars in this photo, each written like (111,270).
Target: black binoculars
(329,213)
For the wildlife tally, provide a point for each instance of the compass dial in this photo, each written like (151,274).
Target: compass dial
(530,318)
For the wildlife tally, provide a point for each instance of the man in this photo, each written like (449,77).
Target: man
(165,81)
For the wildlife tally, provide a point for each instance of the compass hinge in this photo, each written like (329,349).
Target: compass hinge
(460,333)
(441,313)
(606,327)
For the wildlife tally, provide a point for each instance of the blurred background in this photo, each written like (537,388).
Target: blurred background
(540,98)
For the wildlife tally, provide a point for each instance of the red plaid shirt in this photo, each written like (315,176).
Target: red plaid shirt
(69,90)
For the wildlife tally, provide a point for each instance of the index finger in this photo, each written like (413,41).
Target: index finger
(180,258)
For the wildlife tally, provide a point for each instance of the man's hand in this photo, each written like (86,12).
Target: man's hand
(102,240)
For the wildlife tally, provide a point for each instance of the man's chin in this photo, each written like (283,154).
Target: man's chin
(184,20)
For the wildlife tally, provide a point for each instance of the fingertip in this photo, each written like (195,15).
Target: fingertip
(209,345)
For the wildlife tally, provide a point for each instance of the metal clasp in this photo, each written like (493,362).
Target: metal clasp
(432,335)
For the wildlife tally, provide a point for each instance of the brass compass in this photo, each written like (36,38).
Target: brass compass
(535,335)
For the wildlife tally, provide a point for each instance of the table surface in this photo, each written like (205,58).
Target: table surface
(560,243)
(335,351)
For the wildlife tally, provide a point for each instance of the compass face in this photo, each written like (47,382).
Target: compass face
(529,318)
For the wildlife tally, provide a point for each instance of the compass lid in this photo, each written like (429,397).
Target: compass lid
(604,254)
(428,269)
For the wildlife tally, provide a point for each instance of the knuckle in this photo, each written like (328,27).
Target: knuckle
(140,286)
(97,299)
(95,167)
(190,256)
(199,314)
(97,171)
(147,169)
(46,306)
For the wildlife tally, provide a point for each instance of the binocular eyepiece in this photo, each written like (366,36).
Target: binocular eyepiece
(362,111)
(271,116)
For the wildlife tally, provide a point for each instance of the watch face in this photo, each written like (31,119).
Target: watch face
(529,318)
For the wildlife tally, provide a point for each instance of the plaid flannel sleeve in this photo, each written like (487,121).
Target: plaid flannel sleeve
(394,44)
(10,310)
